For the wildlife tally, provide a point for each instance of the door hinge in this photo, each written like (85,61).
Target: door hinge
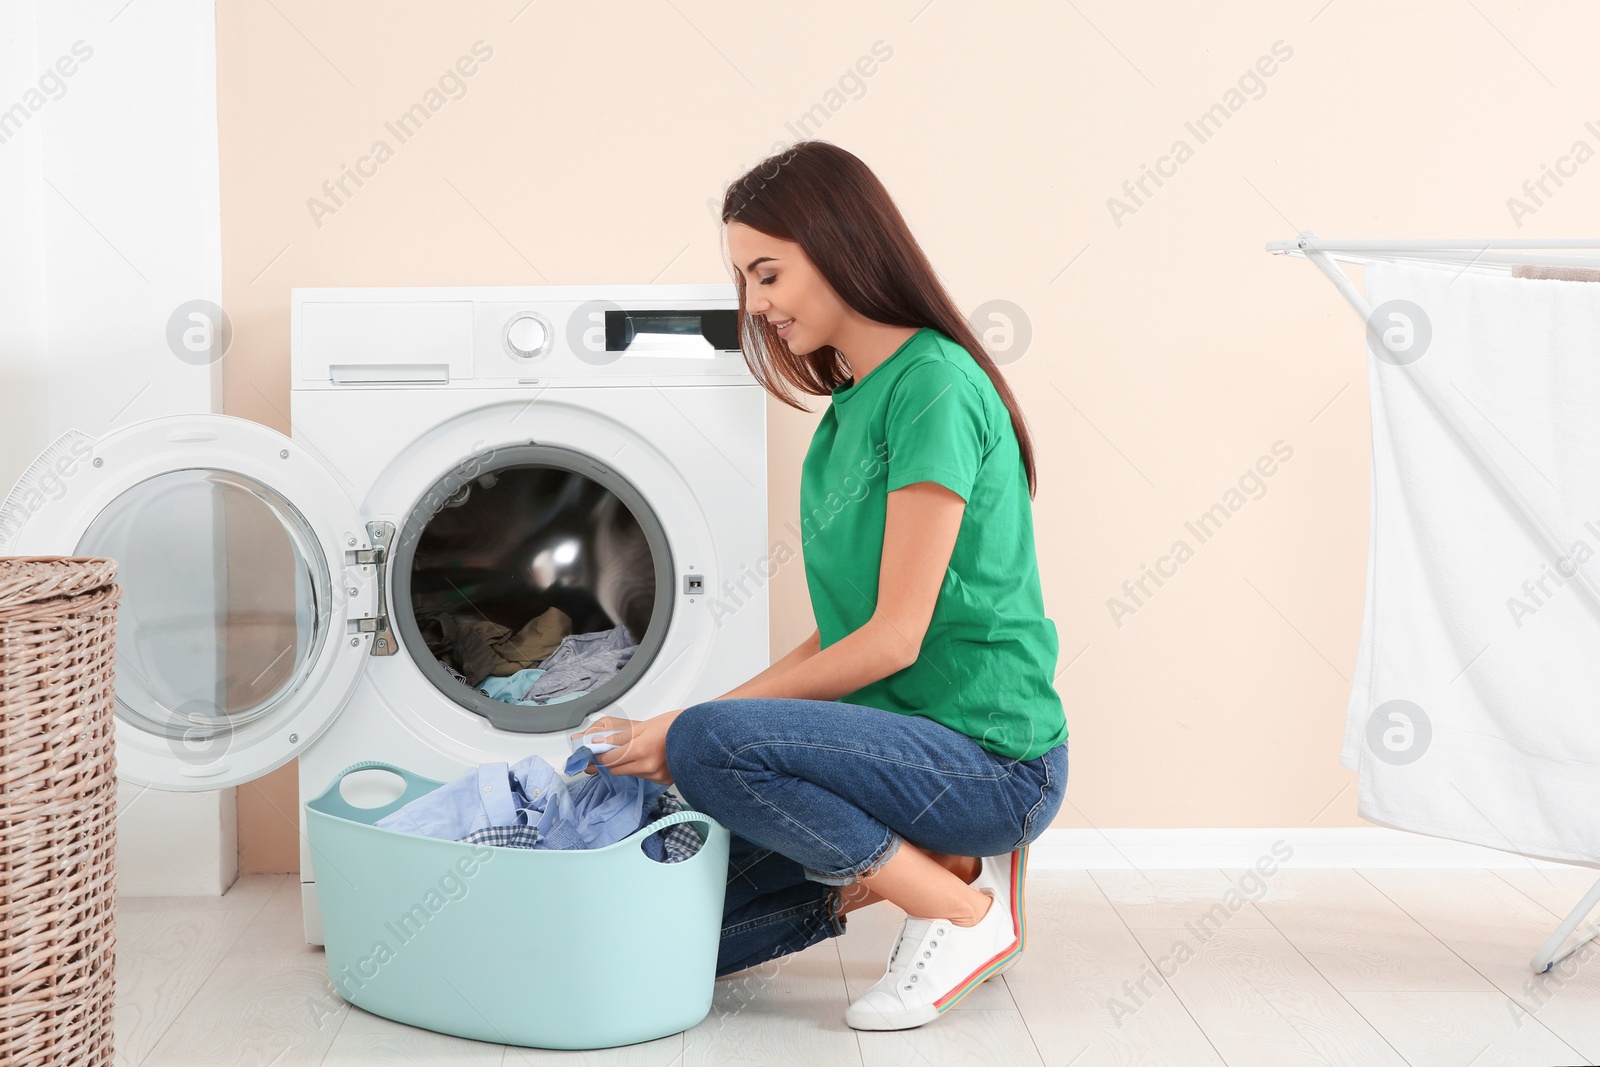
(381,534)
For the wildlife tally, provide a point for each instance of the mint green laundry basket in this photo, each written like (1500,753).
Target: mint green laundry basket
(545,948)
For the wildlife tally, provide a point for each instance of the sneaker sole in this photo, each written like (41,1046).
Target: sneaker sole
(871,1020)
(858,1020)
(1019,874)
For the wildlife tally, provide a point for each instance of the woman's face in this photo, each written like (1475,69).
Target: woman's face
(785,288)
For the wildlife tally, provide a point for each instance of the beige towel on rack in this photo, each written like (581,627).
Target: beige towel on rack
(1550,272)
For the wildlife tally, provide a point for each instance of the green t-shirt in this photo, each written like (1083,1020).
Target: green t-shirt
(987,663)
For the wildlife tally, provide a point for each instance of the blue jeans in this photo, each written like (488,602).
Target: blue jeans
(817,793)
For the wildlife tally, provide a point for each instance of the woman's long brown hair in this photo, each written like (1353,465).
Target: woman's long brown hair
(828,202)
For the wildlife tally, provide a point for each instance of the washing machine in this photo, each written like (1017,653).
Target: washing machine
(463,463)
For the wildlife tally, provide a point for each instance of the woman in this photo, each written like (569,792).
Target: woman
(913,746)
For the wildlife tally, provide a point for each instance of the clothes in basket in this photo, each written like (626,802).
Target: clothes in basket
(671,845)
(675,843)
(529,805)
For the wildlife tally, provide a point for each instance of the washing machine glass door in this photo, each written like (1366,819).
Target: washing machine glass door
(533,585)
(240,558)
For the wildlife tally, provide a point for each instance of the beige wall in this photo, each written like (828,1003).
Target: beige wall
(1169,352)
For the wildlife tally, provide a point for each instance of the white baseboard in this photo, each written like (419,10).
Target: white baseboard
(1230,847)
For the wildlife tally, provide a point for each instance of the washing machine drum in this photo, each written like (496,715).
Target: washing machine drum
(532,585)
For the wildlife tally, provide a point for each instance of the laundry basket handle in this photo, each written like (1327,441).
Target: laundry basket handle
(332,801)
(686,815)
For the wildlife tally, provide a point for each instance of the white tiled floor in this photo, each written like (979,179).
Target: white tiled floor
(1329,967)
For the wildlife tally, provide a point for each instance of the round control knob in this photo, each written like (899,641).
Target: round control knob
(527,336)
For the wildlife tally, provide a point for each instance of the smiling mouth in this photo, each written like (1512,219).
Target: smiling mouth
(778,324)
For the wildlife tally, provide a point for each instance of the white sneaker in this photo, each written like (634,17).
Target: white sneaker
(1005,875)
(933,965)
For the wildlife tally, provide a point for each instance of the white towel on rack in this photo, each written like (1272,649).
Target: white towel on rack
(1469,614)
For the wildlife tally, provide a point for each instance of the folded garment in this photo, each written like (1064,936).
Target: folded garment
(547,809)
(583,661)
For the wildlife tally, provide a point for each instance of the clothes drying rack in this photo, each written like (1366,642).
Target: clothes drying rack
(1470,253)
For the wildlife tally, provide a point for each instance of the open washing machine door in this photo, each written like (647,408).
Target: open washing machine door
(248,583)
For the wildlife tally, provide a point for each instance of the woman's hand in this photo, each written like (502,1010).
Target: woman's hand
(641,746)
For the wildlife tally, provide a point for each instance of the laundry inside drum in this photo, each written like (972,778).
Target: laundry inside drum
(533,584)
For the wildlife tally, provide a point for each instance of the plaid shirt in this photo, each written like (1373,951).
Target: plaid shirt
(679,842)
(505,836)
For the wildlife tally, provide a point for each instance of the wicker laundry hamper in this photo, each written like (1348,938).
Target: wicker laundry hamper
(57,810)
